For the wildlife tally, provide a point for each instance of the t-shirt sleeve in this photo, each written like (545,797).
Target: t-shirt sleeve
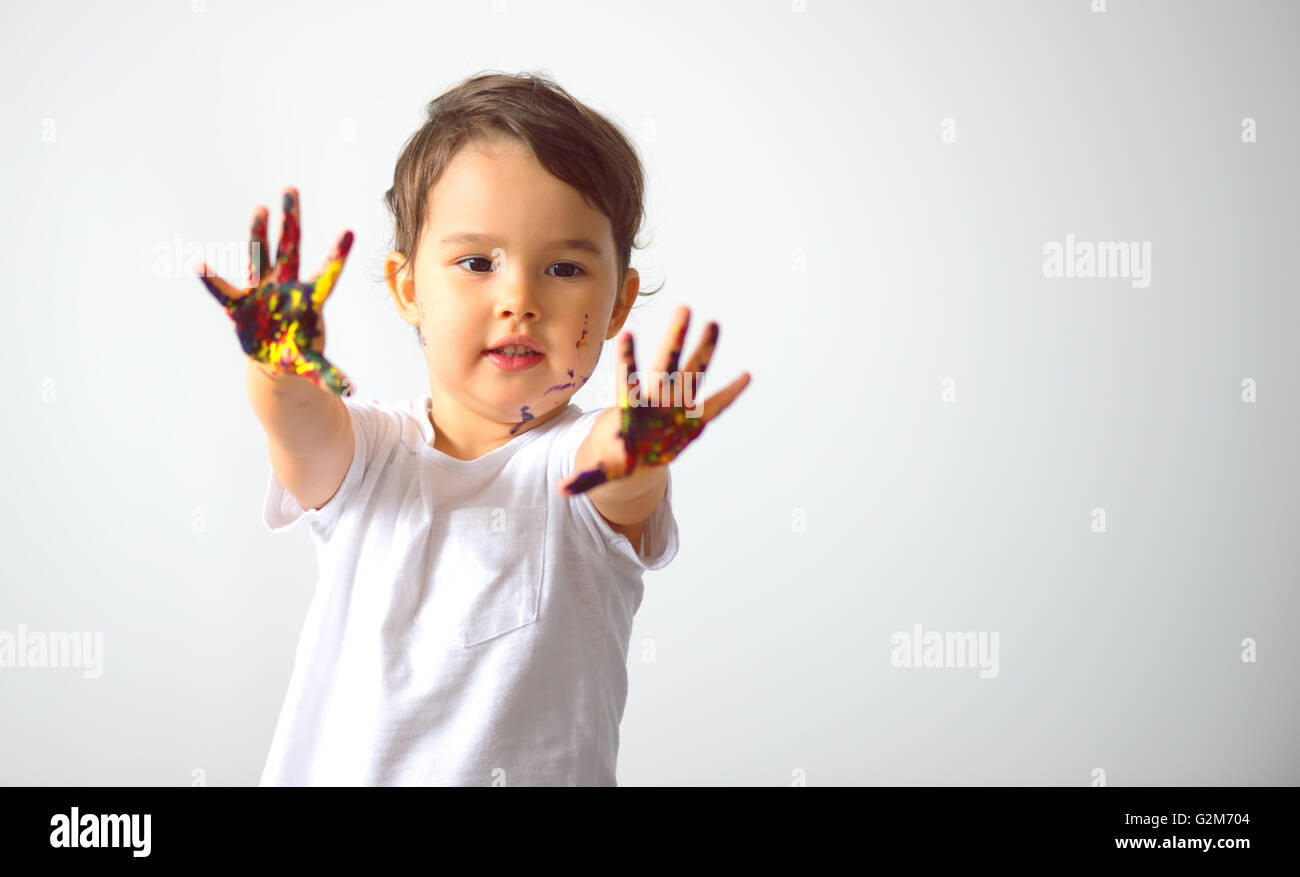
(281,512)
(658,536)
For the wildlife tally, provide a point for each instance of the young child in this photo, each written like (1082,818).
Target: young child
(480,548)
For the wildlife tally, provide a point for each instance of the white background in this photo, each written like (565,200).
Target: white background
(801,193)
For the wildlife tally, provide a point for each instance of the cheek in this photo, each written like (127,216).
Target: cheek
(453,343)
(449,327)
(582,361)
(576,338)
(587,326)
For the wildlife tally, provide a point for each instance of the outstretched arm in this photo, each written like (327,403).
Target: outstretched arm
(623,461)
(293,389)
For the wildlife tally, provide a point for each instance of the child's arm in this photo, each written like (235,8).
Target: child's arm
(308,434)
(293,389)
(622,462)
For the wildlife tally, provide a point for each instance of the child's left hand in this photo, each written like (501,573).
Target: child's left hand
(649,434)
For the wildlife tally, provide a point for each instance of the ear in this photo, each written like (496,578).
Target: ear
(623,302)
(401,284)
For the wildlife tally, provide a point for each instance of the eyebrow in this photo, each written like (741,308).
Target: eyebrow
(471,237)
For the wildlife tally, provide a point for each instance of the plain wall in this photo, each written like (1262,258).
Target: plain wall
(861,194)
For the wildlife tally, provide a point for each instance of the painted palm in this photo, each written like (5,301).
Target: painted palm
(277,318)
(655,426)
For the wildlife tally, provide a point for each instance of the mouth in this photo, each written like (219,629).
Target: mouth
(513,358)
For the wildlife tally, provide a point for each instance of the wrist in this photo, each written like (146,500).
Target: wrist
(275,379)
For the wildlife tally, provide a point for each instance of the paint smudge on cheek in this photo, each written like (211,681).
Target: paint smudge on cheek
(565,386)
(583,339)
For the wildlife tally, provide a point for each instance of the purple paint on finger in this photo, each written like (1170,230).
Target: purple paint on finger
(587,480)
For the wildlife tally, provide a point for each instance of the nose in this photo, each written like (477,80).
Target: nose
(517,297)
(516,310)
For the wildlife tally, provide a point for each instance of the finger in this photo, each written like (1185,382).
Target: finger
(699,360)
(220,289)
(716,404)
(259,254)
(670,349)
(584,481)
(627,365)
(286,251)
(324,279)
(600,474)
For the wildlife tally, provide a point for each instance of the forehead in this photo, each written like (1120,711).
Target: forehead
(501,188)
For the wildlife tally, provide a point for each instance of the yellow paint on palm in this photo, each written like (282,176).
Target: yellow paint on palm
(286,351)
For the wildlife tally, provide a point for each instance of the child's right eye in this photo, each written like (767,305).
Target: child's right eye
(476,259)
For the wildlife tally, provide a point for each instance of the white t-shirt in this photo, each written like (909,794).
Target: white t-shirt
(469,627)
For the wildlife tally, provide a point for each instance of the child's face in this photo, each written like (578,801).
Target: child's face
(522,278)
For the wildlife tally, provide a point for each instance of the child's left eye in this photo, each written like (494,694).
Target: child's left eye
(576,269)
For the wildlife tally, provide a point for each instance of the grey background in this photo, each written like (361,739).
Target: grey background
(774,139)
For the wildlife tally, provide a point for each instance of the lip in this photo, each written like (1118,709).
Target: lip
(522,340)
(513,363)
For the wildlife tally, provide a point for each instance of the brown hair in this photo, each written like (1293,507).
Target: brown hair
(573,142)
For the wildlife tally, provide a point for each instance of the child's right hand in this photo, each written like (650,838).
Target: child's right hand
(278,319)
